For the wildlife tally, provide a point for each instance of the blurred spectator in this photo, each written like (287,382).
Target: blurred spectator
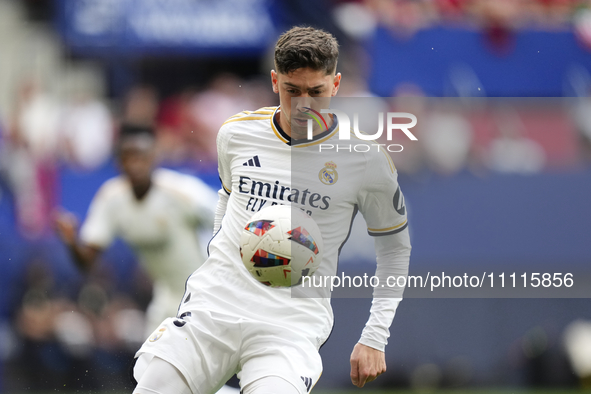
(259,92)
(87,132)
(116,324)
(404,17)
(209,109)
(498,18)
(582,24)
(511,152)
(408,97)
(30,158)
(174,125)
(140,106)
(452,11)
(188,122)
(41,360)
(65,343)
(37,121)
(447,138)
(355,19)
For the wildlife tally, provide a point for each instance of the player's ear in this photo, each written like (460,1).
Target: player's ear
(274,81)
(336,84)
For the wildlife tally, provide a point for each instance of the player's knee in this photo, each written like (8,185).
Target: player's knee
(270,385)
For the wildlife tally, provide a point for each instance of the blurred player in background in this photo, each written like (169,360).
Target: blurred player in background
(158,212)
(231,323)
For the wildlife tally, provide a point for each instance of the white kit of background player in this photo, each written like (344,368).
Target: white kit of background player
(162,229)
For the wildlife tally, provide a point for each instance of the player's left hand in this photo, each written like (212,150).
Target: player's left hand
(366,364)
(66,225)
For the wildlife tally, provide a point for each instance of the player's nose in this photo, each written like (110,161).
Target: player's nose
(303,103)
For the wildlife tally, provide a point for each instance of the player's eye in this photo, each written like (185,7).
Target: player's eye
(291,91)
(315,92)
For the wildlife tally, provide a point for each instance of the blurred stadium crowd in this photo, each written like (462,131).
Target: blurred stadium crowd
(57,326)
(44,134)
(413,15)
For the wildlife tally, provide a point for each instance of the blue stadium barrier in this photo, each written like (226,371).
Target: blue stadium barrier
(536,64)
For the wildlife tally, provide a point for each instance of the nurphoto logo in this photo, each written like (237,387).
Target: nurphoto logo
(392,124)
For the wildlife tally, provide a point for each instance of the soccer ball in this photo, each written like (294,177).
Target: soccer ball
(280,245)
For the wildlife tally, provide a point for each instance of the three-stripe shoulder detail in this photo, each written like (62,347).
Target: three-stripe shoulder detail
(259,114)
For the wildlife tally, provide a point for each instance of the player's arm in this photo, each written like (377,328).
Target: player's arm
(222,142)
(220,209)
(96,233)
(203,202)
(382,205)
(368,357)
(83,255)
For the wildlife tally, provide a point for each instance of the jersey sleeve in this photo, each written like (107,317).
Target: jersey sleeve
(393,255)
(224,168)
(382,204)
(203,202)
(99,229)
(224,171)
(380,199)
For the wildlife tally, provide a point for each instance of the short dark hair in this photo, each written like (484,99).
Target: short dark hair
(302,47)
(133,130)
(129,131)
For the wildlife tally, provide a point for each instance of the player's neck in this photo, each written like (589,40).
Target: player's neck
(140,191)
(284,123)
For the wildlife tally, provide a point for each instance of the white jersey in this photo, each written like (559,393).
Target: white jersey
(162,229)
(259,167)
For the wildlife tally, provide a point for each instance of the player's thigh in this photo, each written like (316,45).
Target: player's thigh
(274,351)
(204,349)
(162,377)
(270,385)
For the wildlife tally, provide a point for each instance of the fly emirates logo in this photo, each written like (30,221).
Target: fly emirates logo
(261,192)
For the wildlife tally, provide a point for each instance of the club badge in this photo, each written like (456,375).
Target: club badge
(329,175)
(157,335)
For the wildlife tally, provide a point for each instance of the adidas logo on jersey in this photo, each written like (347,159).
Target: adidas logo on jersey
(307,382)
(254,162)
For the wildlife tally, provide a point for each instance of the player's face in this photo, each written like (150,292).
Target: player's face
(136,157)
(306,84)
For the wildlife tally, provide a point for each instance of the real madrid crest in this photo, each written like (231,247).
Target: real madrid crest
(157,335)
(329,175)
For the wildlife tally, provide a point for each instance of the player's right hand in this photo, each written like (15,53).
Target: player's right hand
(366,364)
(66,225)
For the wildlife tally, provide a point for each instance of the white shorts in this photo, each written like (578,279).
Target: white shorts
(208,348)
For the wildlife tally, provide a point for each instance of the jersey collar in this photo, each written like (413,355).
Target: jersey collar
(319,138)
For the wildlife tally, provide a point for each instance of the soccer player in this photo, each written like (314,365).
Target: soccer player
(231,323)
(158,212)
